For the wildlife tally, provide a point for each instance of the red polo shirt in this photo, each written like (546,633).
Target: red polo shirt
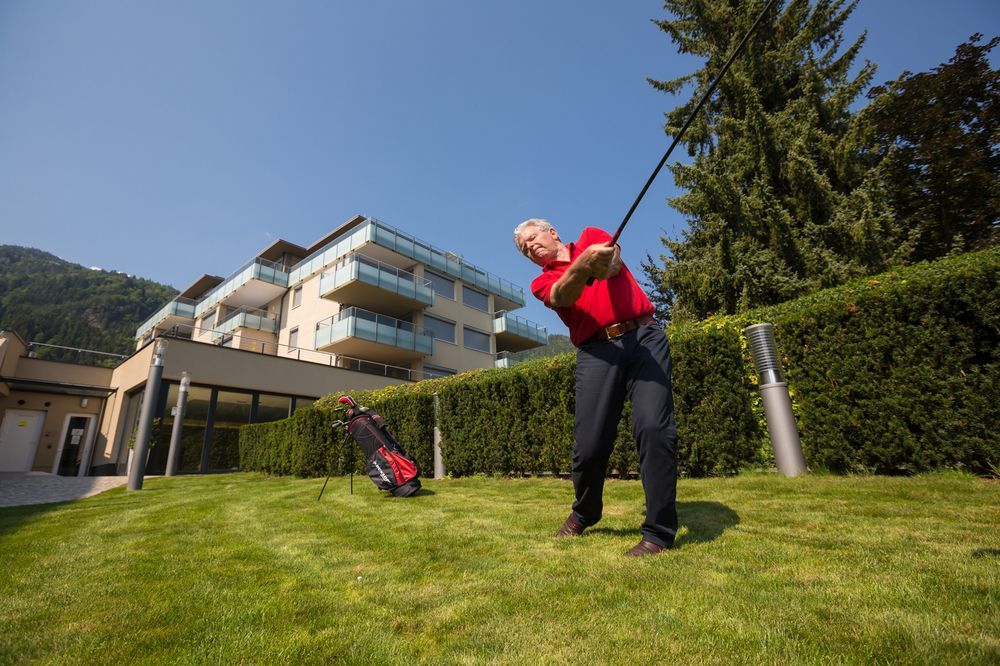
(601,304)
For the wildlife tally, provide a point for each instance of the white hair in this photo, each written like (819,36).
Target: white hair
(538,223)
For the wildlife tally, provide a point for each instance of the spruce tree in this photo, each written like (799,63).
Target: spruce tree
(774,158)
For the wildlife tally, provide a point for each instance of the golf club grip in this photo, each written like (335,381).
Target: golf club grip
(687,123)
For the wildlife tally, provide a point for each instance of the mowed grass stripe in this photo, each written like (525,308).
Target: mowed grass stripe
(243,568)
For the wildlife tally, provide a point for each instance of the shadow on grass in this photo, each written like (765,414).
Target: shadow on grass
(986,552)
(704,521)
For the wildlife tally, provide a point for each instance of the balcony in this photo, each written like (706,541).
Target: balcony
(504,360)
(366,334)
(392,246)
(246,319)
(517,334)
(368,282)
(256,283)
(177,311)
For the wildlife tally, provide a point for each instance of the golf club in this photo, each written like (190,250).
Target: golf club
(687,123)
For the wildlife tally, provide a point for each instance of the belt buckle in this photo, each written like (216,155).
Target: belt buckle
(615,331)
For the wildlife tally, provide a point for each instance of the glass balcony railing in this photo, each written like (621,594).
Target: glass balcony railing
(373,231)
(255,269)
(378,274)
(179,307)
(505,322)
(504,360)
(245,317)
(374,327)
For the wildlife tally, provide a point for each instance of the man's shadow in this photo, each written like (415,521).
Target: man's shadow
(704,522)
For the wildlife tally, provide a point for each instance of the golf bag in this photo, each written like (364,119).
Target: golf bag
(389,465)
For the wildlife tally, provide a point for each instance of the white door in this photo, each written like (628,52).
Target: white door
(19,437)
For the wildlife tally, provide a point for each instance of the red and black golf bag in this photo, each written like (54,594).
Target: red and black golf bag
(388,464)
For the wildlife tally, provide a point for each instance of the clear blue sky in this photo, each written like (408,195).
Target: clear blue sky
(175,138)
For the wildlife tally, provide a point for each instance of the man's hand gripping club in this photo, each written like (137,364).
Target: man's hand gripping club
(597,262)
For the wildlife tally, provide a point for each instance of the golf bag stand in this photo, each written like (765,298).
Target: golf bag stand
(329,473)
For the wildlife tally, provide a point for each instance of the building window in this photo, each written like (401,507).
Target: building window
(293,337)
(433,371)
(208,321)
(227,341)
(232,410)
(302,402)
(442,286)
(475,299)
(441,329)
(272,408)
(477,340)
(297,297)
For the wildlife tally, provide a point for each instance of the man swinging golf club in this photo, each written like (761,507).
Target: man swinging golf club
(620,352)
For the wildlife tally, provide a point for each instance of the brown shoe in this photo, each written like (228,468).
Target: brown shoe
(572,527)
(645,548)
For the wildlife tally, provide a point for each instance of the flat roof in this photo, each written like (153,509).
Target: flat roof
(351,223)
(279,247)
(200,286)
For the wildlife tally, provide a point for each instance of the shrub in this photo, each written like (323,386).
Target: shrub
(891,374)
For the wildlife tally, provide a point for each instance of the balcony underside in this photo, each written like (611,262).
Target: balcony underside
(513,342)
(502,303)
(255,293)
(184,325)
(386,256)
(370,297)
(375,351)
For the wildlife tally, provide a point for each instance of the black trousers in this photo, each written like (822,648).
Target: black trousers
(636,365)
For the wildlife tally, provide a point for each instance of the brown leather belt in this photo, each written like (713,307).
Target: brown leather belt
(619,329)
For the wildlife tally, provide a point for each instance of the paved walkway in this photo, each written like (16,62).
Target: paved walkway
(21,488)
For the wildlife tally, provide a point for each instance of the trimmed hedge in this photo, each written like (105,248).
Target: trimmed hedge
(304,444)
(898,373)
(892,374)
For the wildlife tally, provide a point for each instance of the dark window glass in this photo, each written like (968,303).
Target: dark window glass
(442,286)
(303,402)
(439,328)
(475,299)
(293,337)
(273,408)
(232,410)
(432,371)
(477,340)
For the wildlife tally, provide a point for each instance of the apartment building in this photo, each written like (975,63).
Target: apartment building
(364,293)
(364,307)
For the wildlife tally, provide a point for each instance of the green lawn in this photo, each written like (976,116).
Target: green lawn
(242,568)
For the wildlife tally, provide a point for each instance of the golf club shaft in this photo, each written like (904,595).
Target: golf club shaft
(690,119)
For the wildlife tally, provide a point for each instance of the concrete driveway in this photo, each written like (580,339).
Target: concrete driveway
(22,488)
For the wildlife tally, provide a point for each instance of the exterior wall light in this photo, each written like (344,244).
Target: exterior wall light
(777,403)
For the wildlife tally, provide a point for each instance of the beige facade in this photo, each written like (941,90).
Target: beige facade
(364,307)
(364,293)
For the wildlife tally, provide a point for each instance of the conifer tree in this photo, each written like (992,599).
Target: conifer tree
(935,142)
(775,159)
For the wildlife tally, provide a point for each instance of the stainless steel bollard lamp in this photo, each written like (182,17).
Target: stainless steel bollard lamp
(175,434)
(777,403)
(138,468)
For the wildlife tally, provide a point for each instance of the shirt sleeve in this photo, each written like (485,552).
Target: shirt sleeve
(593,236)
(542,285)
